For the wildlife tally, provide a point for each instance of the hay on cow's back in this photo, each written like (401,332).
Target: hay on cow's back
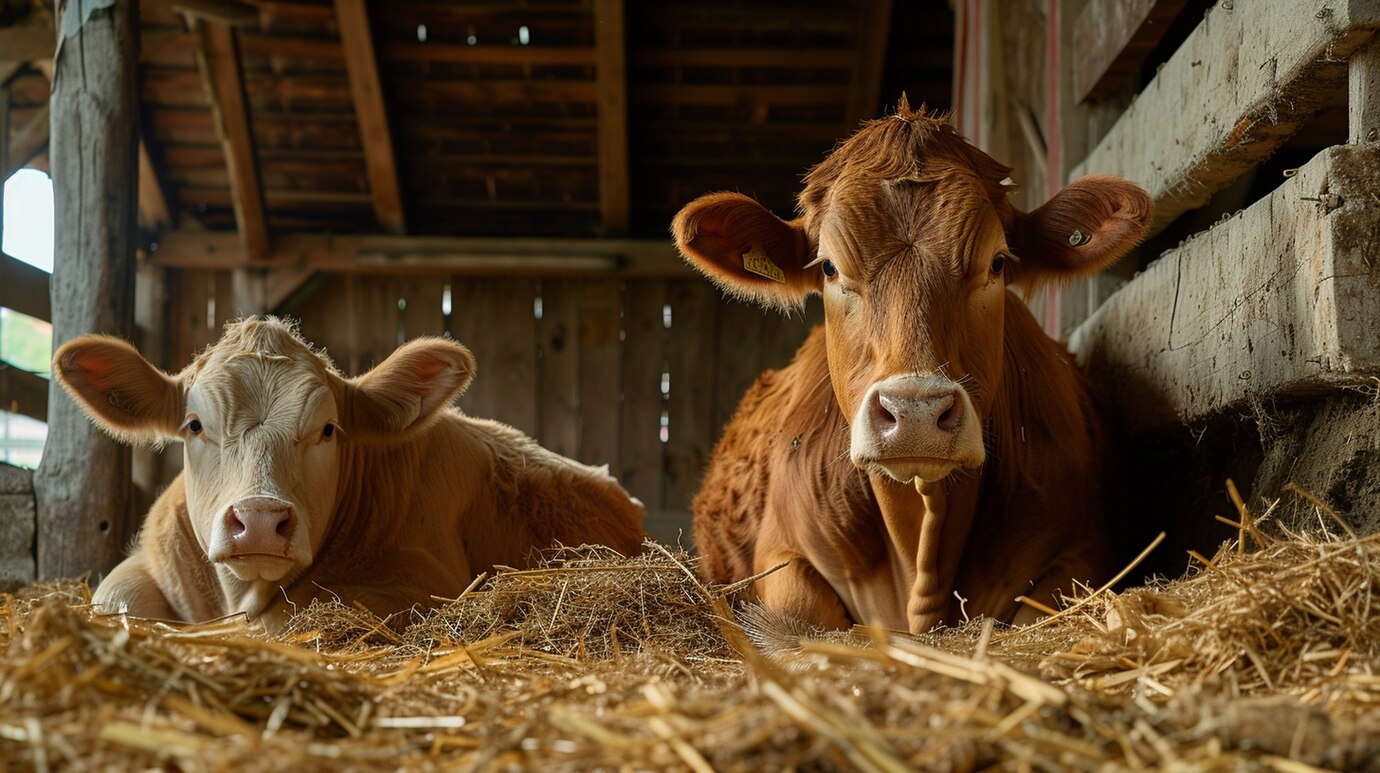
(1267,658)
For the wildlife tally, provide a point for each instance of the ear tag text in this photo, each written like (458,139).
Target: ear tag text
(756,261)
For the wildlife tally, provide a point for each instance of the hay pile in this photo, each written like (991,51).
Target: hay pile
(1267,659)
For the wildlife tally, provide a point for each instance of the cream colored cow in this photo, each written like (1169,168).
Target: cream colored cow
(300,483)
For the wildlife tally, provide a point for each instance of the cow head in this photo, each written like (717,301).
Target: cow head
(906,231)
(266,424)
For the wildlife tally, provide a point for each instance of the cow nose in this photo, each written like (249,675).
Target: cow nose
(919,406)
(260,525)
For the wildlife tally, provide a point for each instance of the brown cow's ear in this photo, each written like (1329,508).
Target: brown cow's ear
(408,390)
(746,250)
(1082,230)
(125,395)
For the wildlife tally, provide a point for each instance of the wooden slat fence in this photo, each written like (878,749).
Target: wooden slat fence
(638,374)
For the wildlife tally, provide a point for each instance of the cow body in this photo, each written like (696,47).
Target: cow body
(418,503)
(930,454)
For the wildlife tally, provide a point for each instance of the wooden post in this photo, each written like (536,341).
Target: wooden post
(612,78)
(1363,98)
(83,483)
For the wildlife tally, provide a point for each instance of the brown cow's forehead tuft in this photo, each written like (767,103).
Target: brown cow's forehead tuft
(907,146)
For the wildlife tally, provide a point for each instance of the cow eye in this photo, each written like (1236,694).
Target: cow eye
(194,427)
(998,263)
(328,430)
(829,269)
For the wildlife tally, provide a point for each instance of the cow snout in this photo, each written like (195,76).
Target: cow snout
(260,526)
(916,426)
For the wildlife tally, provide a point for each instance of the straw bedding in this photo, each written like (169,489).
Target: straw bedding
(1258,659)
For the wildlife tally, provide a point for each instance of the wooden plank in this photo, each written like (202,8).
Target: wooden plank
(611,70)
(782,335)
(494,318)
(600,372)
(82,486)
(219,62)
(30,38)
(1112,38)
(874,29)
(1277,302)
(27,143)
(327,321)
(428,255)
(558,339)
(283,285)
(1363,95)
(691,358)
(644,362)
(249,292)
(421,313)
(1241,84)
(375,137)
(23,392)
(154,214)
(24,288)
(227,12)
(740,346)
(375,303)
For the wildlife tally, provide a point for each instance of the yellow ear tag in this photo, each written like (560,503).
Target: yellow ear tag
(756,261)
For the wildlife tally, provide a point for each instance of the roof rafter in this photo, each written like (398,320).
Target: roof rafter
(366,91)
(219,61)
(612,87)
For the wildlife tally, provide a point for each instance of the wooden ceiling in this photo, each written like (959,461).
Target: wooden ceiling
(551,118)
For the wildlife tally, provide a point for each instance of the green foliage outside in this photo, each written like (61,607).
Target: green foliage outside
(25,342)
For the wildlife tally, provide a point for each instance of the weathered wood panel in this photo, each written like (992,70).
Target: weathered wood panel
(494,318)
(1238,87)
(558,341)
(24,288)
(83,486)
(1111,39)
(692,358)
(1281,301)
(645,341)
(601,357)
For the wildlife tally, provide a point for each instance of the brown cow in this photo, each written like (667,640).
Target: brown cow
(972,438)
(300,483)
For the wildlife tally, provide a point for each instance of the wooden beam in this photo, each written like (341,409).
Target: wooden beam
(1277,302)
(283,284)
(1196,128)
(231,12)
(27,143)
(24,288)
(1112,38)
(431,255)
(352,16)
(1363,95)
(874,29)
(154,214)
(29,39)
(82,487)
(23,393)
(219,60)
(612,78)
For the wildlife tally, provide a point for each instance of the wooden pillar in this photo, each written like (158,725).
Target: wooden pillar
(83,483)
(1363,98)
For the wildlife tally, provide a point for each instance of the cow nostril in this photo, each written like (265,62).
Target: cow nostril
(952,415)
(233,521)
(284,527)
(882,417)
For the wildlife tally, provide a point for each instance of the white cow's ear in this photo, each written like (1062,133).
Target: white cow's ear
(119,389)
(408,390)
(746,250)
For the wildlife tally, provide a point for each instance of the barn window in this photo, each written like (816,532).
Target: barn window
(421,33)
(524,36)
(26,343)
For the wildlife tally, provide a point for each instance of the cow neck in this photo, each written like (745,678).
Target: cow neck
(928,527)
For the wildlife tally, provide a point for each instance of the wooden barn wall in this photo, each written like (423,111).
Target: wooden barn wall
(1013,123)
(592,368)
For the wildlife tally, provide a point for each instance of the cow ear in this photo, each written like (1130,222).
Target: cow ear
(408,390)
(746,250)
(125,395)
(1083,229)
